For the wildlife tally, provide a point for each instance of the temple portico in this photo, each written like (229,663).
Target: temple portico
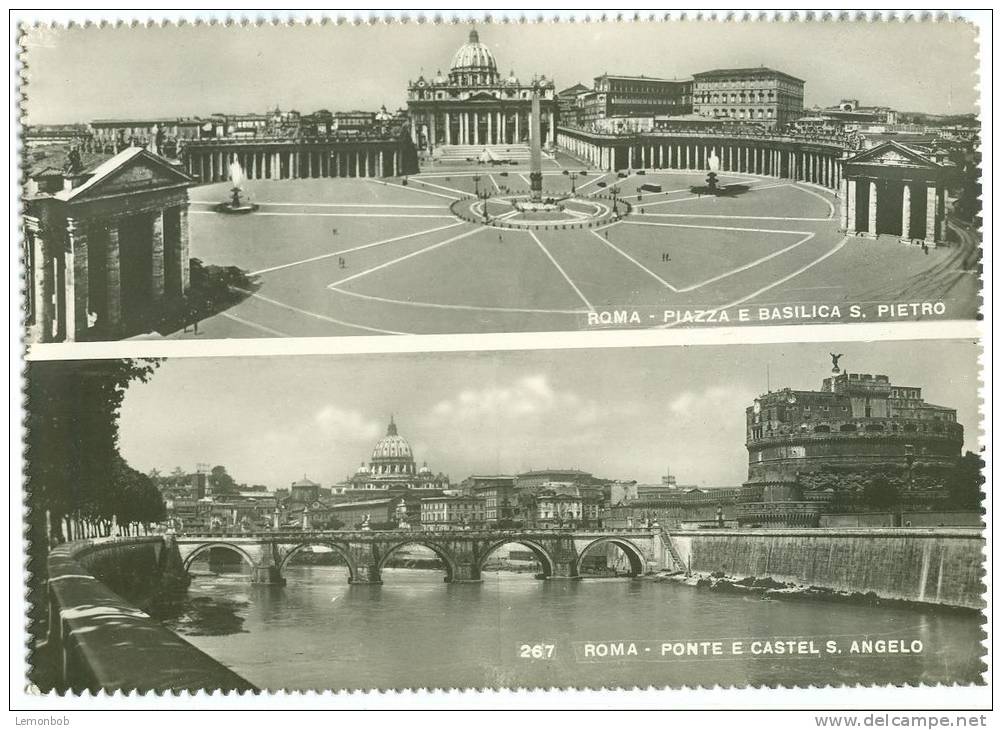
(895,190)
(108,254)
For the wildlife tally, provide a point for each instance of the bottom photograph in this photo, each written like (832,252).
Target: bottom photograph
(742,516)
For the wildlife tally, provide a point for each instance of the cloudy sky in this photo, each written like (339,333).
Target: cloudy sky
(86,73)
(620,413)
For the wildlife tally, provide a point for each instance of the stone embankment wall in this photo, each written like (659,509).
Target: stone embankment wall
(928,565)
(105,642)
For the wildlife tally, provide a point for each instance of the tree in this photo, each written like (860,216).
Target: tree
(221,482)
(71,444)
(880,493)
(964,483)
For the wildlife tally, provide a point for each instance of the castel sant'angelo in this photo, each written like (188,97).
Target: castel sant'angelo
(861,442)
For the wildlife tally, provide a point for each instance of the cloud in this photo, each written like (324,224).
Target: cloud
(347,425)
(528,398)
(705,401)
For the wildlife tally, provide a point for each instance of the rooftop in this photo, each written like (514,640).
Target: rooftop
(749,71)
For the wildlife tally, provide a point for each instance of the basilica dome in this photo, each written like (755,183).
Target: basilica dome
(392,446)
(474,63)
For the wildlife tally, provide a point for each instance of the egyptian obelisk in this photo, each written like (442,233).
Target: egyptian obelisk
(535,151)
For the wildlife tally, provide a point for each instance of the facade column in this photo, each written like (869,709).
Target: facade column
(113,281)
(448,130)
(850,206)
(183,248)
(395,163)
(871,222)
(358,163)
(906,211)
(476,128)
(552,130)
(157,256)
(414,137)
(930,212)
(432,131)
(490,127)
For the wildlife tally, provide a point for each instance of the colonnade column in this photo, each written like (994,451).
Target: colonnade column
(183,247)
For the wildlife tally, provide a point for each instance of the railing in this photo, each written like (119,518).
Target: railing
(844,143)
(294,536)
(105,643)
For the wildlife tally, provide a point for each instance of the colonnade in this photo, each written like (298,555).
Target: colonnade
(819,166)
(212,164)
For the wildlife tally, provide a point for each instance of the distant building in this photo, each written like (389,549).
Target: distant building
(452,512)
(392,471)
(475,105)
(634,96)
(763,95)
(497,491)
(568,105)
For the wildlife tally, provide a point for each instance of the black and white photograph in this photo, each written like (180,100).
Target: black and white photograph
(743,515)
(304,181)
(480,361)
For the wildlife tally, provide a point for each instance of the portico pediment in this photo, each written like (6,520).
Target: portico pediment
(894,154)
(131,171)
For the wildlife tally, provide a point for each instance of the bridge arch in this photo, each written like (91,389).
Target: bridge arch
(540,552)
(340,550)
(441,551)
(226,546)
(638,564)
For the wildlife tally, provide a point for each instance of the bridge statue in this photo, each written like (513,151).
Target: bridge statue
(464,552)
(835,359)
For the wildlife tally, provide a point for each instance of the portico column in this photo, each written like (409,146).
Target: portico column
(157,255)
(906,211)
(113,280)
(395,168)
(490,127)
(448,130)
(845,206)
(76,281)
(42,263)
(358,163)
(871,223)
(414,137)
(850,204)
(476,128)
(930,212)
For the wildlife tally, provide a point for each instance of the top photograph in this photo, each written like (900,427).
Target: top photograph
(329,180)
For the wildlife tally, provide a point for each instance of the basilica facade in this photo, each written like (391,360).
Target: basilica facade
(474,105)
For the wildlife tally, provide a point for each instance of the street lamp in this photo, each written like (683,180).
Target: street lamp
(574,176)
(615,201)
(476,185)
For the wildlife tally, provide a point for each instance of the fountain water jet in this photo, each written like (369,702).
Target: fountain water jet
(235,204)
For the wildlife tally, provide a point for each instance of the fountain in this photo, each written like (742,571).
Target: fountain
(235,204)
(712,186)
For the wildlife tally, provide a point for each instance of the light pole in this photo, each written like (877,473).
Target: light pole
(476,185)
(574,176)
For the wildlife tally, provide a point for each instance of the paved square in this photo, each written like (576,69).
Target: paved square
(388,256)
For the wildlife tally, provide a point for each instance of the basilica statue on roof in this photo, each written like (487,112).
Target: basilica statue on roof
(475,106)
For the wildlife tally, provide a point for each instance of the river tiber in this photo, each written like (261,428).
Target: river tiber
(821,501)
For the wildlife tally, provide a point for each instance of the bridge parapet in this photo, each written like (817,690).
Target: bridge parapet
(464,553)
